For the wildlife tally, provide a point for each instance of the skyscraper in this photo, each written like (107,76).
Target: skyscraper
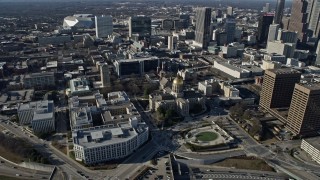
(266,8)
(304,114)
(230,11)
(203,23)
(172,42)
(299,19)
(140,27)
(277,88)
(279,12)
(104,26)
(104,73)
(313,11)
(273,32)
(263,27)
(230,29)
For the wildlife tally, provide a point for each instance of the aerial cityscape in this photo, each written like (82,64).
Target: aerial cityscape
(159,89)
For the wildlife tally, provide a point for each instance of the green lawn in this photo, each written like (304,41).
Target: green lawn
(207,136)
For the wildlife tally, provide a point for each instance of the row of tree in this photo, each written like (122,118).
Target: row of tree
(21,148)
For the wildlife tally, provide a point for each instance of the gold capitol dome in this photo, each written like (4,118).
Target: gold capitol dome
(178,80)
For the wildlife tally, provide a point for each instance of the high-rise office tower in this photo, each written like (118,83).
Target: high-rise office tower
(303,117)
(279,12)
(313,11)
(299,19)
(104,26)
(277,88)
(266,8)
(105,76)
(273,32)
(263,27)
(203,23)
(140,27)
(230,29)
(285,22)
(230,11)
(172,42)
(218,13)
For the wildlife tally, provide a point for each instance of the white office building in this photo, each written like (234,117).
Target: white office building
(286,49)
(238,71)
(104,143)
(273,32)
(172,42)
(104,26)
(205,87)
(40,115)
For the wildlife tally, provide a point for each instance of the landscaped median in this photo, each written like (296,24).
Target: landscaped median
(207,138)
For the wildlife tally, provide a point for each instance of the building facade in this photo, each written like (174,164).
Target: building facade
(278,47)
(299,19)
(304,115)
(312,147)
(41,80)
(318,54)
(140,28)
(277,88)
(102,143)
(203,23)
(279,12)
(273,32)
(105,75)
(139,66)
(104,26)
(263,27)
(40,114)
(230,29)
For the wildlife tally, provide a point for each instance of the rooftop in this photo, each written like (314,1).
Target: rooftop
(283,71)
(103,135)
(79,84)
(42,109)
(36,75)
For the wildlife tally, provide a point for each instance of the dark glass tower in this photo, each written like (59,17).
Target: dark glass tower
(203,23)
(279,12)
(263,27)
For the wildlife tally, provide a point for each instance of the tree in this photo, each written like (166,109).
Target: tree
(160,114)
(169,114)
(247,115)
(237,110)
(146,92)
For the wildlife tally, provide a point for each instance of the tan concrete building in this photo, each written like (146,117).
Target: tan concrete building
(304,114)
(277,88)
